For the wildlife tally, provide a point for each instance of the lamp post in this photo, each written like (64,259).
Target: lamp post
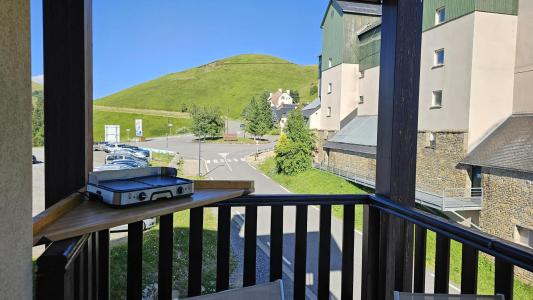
(169,132)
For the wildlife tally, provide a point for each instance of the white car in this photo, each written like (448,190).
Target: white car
(112,167)
(110,158)
(147,224)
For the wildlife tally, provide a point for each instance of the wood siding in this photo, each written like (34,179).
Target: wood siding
(339,37)
(458,8)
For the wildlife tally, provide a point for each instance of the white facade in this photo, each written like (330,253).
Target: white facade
(476,79)
(280,98)
(339,95)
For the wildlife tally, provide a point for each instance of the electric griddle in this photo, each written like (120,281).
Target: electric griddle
(134,186)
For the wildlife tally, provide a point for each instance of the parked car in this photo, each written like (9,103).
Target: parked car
(129,162)
(110,167)
(100,146)
(113,147)
(124,155)
(144,152)
(147,224)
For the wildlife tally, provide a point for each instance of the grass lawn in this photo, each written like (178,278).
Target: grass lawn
(161,160)
(119,257)
(153,126)
(229,83)
(317,182)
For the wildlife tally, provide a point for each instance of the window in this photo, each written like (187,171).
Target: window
(524,236)
(438,57)
(431,140)
(330,88)
(361,99)
(436,101)
(330,63)
(440,15)
(329,112)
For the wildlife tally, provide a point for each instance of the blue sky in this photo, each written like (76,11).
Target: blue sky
(135,41)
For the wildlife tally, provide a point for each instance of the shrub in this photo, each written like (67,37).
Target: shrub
(291,157)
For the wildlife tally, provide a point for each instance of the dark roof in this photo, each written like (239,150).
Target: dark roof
(359,135)
(362,130)
(311,108)
(509,147)
(351,148)
(360,8)
(279,113)
(353,8)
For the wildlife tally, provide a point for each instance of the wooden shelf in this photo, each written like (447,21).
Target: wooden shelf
(77,215)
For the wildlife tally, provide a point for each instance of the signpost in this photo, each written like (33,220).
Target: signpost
(139,128)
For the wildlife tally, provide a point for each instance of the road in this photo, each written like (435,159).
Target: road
(227,161)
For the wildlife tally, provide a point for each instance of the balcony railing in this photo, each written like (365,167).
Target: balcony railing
(79,268)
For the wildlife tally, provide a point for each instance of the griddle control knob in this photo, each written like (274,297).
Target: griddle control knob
(142,196)
(180,190)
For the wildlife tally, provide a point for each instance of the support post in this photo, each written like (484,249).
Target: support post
(391,268)
(67,39)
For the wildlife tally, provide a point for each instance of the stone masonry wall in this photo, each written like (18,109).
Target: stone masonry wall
(507,202)
(437,168)
(362,165)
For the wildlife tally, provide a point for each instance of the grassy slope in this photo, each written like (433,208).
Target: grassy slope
(229,84)
(180,263)
(316,182)
(152,125)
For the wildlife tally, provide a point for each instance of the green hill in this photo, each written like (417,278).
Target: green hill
(228,83)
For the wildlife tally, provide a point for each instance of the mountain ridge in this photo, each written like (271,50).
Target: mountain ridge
(227,83)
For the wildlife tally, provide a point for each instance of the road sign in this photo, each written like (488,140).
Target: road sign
(138,127)
(112,133)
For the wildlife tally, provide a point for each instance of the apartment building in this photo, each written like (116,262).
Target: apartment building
(475,122)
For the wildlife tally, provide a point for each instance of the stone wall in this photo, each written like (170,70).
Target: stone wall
(437,168)
(360,164)
(507,202)
(321,138)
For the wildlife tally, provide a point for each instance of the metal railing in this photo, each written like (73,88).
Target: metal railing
(462,199)
(79,268)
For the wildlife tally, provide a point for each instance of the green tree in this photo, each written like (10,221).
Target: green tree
(295,95)
(313,90)
(207,122)
(37,117)
(258,116)
(295,147)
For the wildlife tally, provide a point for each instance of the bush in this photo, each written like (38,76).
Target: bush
(291,157)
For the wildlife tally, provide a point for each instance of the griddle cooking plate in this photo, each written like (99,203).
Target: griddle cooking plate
(123,185)
(160,181)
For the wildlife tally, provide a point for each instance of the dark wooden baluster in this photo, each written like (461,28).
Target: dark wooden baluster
(504,278)
(276,243)
(195,252)
(442,265)
(324,251)
(135,250)
(103,264)
(347,251)
(420,259)
(469,267)
(223,248)
(166,249)
(300,251)
(250,245)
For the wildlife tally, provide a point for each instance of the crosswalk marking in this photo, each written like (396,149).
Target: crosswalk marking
(242,158)
(235,160)
(215,161)
(208,161)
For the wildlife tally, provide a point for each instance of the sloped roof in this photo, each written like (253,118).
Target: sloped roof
(360,8)
(284,110)
(310,108)
(509,147)
(359,135)
(353,8)
(368,27)
(275,97)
